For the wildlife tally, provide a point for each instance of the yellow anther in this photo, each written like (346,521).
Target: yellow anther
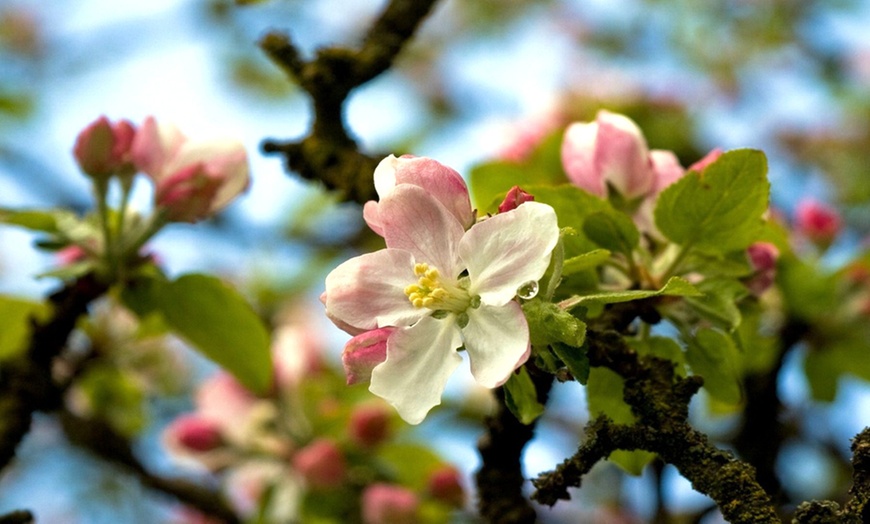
(420,269)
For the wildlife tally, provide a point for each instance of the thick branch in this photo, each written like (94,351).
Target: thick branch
(500,477)
(101,440)
(17,517)
(25,382)
(329,153)
(660,401)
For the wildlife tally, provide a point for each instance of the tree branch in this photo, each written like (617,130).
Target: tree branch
(103,441)
(26,383)
(660,402)
(328,153)
(500,477)
(17,517)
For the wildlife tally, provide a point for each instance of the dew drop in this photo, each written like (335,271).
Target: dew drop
(528,290)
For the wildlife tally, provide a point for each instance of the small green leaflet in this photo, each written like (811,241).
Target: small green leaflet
(585,261)
(675,286)
(719,210)
(612,230)
(521,397)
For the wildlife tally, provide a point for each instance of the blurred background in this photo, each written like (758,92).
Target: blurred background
(480,79)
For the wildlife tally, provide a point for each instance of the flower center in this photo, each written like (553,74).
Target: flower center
(433,292)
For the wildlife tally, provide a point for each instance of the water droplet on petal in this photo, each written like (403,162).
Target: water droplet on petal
(528,290)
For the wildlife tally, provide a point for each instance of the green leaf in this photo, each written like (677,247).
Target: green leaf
(521,397)
(718,304)
(719,210)
(585,261)
(823,374)
(489,182)
(35,219)
(572,206)
(548,323)
(575,359)
(662,347)
(612,230)
(675,286)
(713,355)
(217,321)
(604,393)
(15,323)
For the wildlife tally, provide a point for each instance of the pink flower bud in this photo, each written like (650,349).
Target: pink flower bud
(445,484)
(514,198)
(369,425)
(818,222)
(762,257)
(363,352)
(102,148)
(708,159)
(321,464)
(666,170)
(194,179)
(194,433)
(608,152)
(443,183)
(71,255)
(389,504)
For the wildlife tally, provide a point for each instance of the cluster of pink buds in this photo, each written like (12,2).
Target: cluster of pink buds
(193,179)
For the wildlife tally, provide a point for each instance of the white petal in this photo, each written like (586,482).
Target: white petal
(411,219)
(497,340)
(420,359)
(368,291)
(385,176)
(506,251)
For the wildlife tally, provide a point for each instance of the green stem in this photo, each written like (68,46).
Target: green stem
(672,268)
(102,189)
(558,264)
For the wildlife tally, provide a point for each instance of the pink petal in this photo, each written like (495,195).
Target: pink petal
(441,182)
(225,160)
(708,159)
(508,250)
(497,340)
(420,359)
(154,145)
(666,169)
(578,155)
(368,291)
(621,155)
(415,222)
(363,353)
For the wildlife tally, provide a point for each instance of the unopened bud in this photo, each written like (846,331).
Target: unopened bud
(194,433)
(369,425)
(321,464)
(389,504)
(514,198)
(762,256)
(102,149)
(818,222)
(445,485)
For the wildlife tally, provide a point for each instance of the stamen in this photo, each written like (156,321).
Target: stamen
(432,292)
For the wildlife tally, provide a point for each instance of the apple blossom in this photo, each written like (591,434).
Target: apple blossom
(440,181)
(442,287)
(363,352)
(102,149)
(194,179)
(611,151)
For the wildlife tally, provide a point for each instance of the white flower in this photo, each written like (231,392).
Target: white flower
(443,288)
